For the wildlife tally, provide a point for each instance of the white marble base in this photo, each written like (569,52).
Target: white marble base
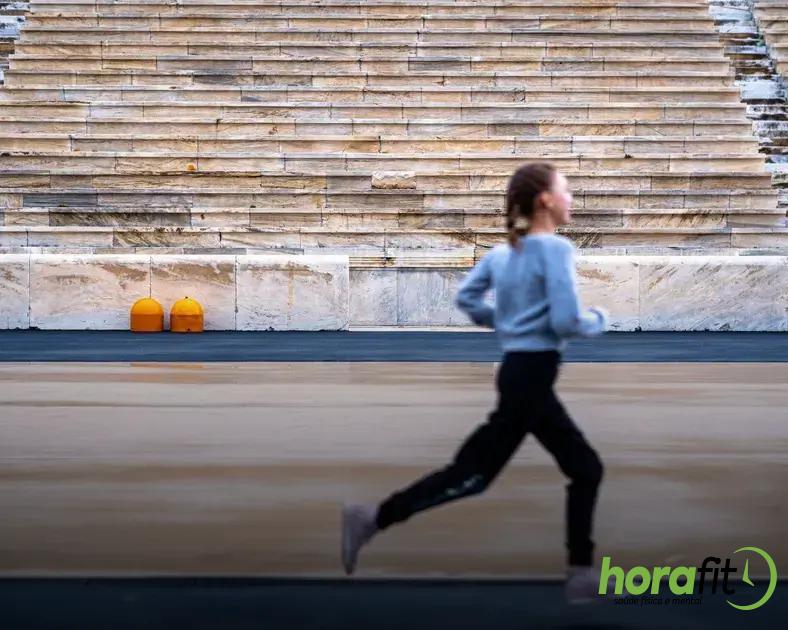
(292,292)
(295,292)
(709,293)
(86,292)
(14,291)
(95,292)
(747,293)
(208,279)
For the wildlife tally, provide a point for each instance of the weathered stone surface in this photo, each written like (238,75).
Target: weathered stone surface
(373,297)
(611,282)
(426,297)
(292,292)
(86,292)
(714,293)
(208,279)
(14,291)
(394,180)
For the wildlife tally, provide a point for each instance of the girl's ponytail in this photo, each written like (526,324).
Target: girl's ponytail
(527,183)
(516,224)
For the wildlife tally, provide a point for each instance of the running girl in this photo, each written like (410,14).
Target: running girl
(536,311)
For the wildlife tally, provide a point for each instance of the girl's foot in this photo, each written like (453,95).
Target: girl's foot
(582,586)
(358,526)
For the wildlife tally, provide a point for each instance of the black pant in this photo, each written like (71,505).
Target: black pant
(526,403)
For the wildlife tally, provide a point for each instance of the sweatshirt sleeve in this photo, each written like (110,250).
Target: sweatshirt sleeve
(470,296)
(567,316)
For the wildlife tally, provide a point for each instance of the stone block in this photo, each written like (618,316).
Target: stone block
(275,241)
(394,180)
(208,279)
(74,237)
(611,282)
(350,243)
(14,291)
(714,293)
(165,238)
(373,297)
(74,292)
(292,292)
(426,297)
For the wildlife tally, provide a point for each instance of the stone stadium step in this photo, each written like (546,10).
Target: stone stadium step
(438,264)
(655,77)
(776,33)
(773,21)
(772,10)
(330,22)
(520,112)
(361,64)
(535,50)
(781,54)
(216,35)
(526,147)
(127,162)
(616,146)
(379,95)
(353,196)
(413,193)
(415,128)
(353,218)
(377,245)
(397,3)
(376,9)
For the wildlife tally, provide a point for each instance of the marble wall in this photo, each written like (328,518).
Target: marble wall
(95,292)
(295,292)
(14,291)
(640,292)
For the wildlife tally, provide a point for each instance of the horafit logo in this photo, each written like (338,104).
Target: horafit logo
(682,580)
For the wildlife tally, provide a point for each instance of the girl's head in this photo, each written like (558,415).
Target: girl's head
(537,195)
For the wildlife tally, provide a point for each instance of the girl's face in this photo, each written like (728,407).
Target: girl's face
(558,201)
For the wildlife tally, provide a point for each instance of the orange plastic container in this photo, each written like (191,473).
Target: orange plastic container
(147,315)
(186,316)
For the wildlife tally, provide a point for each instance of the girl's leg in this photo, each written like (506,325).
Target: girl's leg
(478,461)
(524,382)
(580,462)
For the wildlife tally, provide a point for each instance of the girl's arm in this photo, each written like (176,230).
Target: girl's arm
(567,316)
(470,296)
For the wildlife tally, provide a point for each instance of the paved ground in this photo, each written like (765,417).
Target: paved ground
(239,468)
(32,345)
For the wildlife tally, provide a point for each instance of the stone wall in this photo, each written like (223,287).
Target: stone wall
(237,292)
(324,293)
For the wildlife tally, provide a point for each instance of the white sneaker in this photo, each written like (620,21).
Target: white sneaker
(582,586)
(358,527)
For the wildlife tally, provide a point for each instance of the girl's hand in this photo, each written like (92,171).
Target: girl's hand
(603,310)
(603,313)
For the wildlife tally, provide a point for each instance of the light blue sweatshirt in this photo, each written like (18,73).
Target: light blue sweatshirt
(536,302)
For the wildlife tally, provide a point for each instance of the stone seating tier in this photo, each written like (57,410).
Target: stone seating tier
(385,131)
(772,16)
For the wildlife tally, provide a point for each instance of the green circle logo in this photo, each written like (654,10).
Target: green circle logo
(746,578)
